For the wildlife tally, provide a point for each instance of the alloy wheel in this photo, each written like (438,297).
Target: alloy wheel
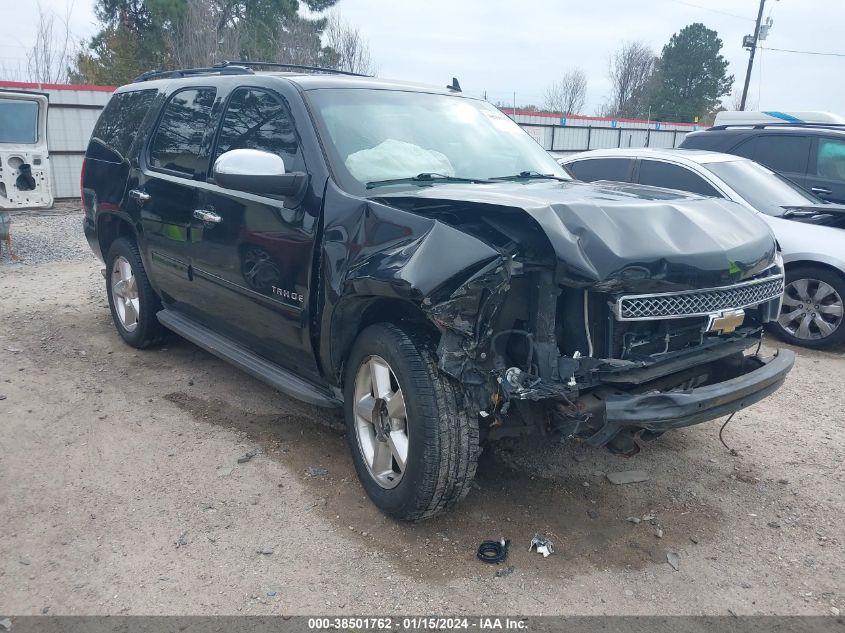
(124,290)
(811,310)
(381,423)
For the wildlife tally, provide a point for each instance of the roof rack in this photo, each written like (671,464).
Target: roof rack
(763,126)
(217,69)
(316,69)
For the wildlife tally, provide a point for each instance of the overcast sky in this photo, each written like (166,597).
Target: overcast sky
(507,46)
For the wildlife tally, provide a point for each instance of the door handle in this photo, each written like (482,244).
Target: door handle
(140,196)
(207,216)
(822,191)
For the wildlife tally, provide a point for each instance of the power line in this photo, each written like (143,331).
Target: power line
(703,8)
(789,50)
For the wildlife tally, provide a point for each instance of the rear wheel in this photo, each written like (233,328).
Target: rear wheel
(132,300)
(414,446)
(812,310)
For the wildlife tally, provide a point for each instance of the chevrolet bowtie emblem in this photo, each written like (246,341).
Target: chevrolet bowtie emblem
(725,321)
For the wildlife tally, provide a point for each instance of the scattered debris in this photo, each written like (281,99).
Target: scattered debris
(694,540)
(316,471)
(493,551)
(659,532)
(628,477)
(6,624)
(592,514)
(648,517)
(225,471)
(266,551)
(834,611)
(542,545)
(629,592)
(774,524)
(634,520)
(14,350)
(507,571)
(579,457)
(182,540)
(23,560)
(2,397)
(248,456)
(674,560)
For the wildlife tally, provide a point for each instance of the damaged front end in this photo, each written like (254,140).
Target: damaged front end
(595,322)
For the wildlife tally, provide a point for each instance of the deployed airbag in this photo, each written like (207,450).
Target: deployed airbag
(396,159)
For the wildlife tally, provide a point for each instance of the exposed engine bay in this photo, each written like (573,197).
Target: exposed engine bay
(545,336)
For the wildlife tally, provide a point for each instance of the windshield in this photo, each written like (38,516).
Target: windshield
(382,135)
(764,190)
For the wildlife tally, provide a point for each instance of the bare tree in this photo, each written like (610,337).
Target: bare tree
(193,37)
(569,94)
(298,41)
(50,58)
(631,71)
(350,49)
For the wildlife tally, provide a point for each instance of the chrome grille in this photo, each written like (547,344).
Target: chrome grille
(689,303)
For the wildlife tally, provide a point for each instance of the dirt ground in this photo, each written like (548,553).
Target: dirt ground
(120,493)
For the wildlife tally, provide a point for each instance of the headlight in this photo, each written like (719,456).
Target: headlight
(779,260)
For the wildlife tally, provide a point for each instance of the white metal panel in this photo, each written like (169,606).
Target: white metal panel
(633,138)
(571,139)
(68,129)
(604,139)
(65,173)
(662,138)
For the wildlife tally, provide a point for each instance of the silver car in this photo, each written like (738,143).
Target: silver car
(811,233)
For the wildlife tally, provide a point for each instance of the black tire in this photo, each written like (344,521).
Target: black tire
(148,330)
(835,281)
(443,438)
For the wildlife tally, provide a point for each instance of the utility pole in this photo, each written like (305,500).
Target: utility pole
(752,41)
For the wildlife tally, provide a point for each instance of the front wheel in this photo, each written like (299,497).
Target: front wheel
(812,311)
(414,446)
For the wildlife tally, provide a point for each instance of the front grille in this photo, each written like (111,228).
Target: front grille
(677,305)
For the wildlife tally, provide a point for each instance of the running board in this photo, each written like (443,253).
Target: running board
(250,362)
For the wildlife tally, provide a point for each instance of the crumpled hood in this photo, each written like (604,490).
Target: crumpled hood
(615,236)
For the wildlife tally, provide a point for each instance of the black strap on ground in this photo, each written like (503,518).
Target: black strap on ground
(493,551)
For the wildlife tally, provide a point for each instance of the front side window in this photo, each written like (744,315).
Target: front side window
(659,174)
(255,119)
(763,189)
(594,169)
(378,135)
(782,153)
(179,141)
(830,161)
(18,121)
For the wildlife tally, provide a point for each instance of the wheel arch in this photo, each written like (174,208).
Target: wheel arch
(355,314)
(814,263)
(111,226)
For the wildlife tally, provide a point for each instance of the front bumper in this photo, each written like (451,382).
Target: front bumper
(658,412)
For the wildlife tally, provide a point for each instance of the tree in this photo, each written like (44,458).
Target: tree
(631,72)
(50,58)
(569,94)
(693,75)
(349,49)
(141,35)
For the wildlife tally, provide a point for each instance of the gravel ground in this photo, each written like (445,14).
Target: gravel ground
(53,235)
(120,490)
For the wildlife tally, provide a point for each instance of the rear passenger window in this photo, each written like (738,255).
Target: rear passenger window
(601,169)
(119,123)
(255,119)
(782,153)
(658,174)
(178,143)
(830,162)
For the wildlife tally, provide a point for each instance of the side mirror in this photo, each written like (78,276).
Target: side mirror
(254,171)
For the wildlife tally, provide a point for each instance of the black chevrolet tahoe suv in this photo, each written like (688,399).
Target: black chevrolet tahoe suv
(412,255)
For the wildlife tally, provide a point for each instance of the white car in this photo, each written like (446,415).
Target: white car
(811,233)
